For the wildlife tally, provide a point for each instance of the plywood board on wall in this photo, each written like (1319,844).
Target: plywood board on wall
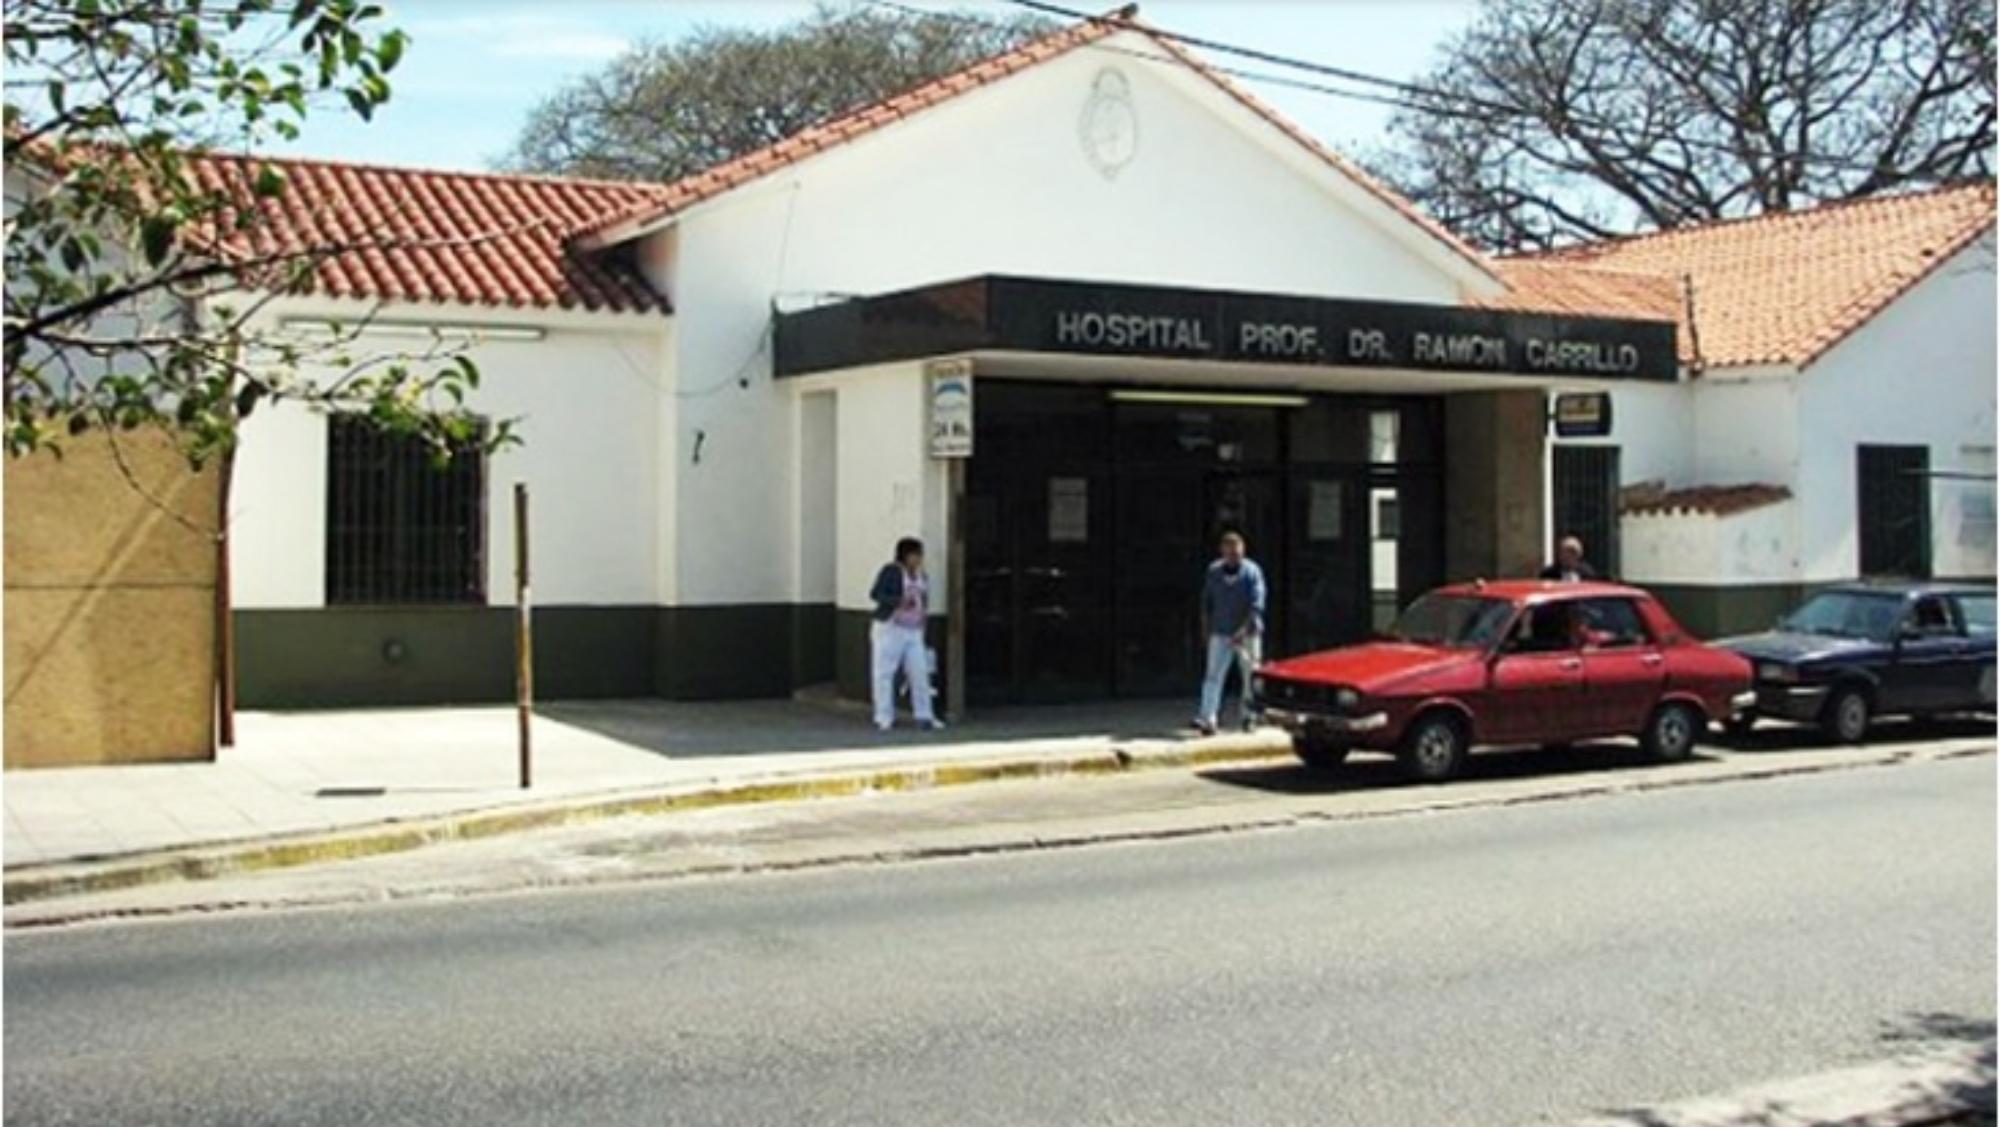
(110,579)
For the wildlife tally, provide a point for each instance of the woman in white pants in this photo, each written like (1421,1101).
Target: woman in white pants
(902,606)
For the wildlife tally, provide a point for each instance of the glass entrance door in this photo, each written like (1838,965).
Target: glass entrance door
(1038,543)
(1186,473)
(1326,565)
(1091,521)
(1158,547)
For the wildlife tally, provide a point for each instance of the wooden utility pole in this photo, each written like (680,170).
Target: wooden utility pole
(524,640)
(225,617)
(954,635)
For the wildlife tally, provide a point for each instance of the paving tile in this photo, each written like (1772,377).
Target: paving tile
(435,761)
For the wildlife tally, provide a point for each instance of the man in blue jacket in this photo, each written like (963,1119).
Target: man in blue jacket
(1232,617)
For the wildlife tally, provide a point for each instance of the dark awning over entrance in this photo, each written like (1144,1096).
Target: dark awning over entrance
(1014,314)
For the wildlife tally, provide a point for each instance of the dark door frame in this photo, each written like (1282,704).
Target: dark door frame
(1271,547)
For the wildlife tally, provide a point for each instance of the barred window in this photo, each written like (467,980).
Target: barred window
(398,529)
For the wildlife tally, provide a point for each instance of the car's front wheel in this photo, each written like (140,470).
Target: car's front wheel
(1673,731)
(1318,752)
(1434,748)
(1847,714)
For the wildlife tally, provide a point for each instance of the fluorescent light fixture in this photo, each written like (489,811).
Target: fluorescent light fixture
(1210,398)
(417,329)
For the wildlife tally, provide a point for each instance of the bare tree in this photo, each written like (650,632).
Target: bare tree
(665,110)
(1552,120)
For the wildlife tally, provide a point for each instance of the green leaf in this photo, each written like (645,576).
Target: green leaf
(361,104)
(391,50)
(156,236)
(270,182)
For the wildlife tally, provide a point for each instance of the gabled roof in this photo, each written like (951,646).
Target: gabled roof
(1780,288)
(717,179)
(690,190)
(1535,286)
(1387,195)
(424,236)
(1775,289)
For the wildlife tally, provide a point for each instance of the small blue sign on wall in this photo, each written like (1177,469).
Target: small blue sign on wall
(951,408)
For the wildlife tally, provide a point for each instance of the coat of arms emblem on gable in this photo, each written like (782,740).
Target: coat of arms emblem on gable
(1109,128)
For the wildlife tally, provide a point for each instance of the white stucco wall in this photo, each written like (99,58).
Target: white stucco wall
(889,486)
(1745,429)
(587,398)
(1921,372)
(818,492)
(995,181)
(1721,428)
(1703,548)
(1653,427)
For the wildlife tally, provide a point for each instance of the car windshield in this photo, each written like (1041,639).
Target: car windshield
(1453,620)
(1848,614)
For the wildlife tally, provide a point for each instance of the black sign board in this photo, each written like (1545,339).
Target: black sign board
(1583,414)
(1041,315)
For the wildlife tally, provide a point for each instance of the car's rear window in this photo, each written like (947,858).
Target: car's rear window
(1610,623)
(1977,610)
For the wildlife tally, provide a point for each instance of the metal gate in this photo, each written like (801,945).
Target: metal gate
(1586,501)
(1893,503)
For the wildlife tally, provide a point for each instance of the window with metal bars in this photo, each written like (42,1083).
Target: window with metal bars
(399,529)
(1893,502)
(1586,501)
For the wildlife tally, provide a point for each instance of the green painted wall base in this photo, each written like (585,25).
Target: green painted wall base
(1744,608)
(364,656)
(1719,612)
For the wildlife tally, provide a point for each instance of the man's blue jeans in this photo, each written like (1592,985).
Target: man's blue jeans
(1222,653)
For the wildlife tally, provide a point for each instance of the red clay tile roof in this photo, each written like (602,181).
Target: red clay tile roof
(424,236)
(1536,286)
(1782,287)
(688,191)
(1717,500)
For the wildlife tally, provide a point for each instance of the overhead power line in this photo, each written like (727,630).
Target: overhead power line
(1434,102)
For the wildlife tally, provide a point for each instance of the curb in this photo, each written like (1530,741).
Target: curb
(48,881)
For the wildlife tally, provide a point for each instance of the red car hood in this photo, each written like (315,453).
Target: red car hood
(1372,666)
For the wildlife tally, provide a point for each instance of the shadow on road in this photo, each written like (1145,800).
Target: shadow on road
(1773,736)
(1371,770)
(1930,1028)
(1366,771)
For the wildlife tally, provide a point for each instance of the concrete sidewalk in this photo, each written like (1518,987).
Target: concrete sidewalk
(320,772)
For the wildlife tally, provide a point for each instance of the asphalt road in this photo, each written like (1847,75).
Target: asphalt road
(1497,965)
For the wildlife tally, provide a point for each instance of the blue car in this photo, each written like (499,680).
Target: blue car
(1853,653)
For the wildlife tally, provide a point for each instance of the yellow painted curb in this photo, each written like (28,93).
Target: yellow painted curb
(73,878)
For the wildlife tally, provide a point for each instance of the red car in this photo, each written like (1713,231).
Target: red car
(1513,662)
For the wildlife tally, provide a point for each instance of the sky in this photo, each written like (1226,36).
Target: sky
(475,68)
